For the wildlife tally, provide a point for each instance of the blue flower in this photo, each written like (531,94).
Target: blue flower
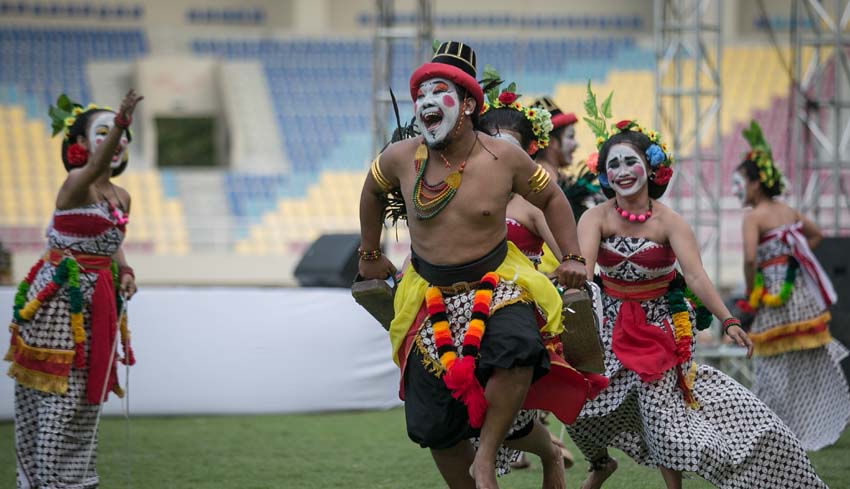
(603,180)
(655,155)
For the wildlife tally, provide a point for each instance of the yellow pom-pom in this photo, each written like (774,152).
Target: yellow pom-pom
(28,311)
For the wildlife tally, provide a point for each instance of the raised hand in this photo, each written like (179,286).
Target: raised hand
(128,105)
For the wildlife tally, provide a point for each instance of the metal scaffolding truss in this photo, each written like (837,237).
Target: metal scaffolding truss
(821,101)
(688,48)
(387,35)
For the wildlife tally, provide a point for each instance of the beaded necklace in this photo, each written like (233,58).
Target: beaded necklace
(429,200)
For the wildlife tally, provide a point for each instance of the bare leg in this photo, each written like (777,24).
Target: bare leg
(600,474)
(539,442)
(454,463)
(505,393)
(673,478)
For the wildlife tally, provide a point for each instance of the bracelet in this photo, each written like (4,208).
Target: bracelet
(122,121)
(729,322)
(126,270)
(574,257)
(369,255)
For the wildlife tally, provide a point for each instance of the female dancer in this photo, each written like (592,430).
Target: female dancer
(527,127)
(660,407)
(66,311)
(796,365)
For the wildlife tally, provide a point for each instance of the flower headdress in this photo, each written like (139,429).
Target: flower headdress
(541,119)
(657,154)
(760,154)
(65,113)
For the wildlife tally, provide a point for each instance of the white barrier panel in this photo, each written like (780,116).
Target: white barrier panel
(246,350)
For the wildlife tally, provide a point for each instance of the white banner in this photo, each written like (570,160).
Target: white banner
(206,350)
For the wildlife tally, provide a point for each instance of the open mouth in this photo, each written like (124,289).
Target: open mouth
(432,118)
(626,182)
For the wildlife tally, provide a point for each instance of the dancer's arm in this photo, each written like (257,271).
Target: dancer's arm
(810,230)
(559,217)
(538,221)
(372,219)
(75,189)
(750,233)
(590,235)
(126,277)
(685,247)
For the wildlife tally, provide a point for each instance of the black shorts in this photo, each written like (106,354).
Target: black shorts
(437,420)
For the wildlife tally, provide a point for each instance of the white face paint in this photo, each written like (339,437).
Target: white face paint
(739,187)
(625,170)
(569,143)
(99,126)
(437,108)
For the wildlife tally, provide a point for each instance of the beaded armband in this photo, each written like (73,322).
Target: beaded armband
(729,322)
(379,177)
(574,257)
(368,255)
(539,179)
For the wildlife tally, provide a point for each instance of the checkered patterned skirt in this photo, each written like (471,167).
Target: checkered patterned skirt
(732,439)
(805,387)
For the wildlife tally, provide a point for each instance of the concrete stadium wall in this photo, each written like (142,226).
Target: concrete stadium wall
(248,350)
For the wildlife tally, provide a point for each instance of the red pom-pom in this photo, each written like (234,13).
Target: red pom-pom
(79,355)
(77,155)
(507,98)
(662,175)
(461,380)
(683,350)
(129,357)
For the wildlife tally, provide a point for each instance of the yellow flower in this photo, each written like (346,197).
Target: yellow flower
(92,106)
(69,121)
(77,110)
(664,147)
(486,106)
(517,105)
(762,176)
(600,140)
(653,136)
(531,113)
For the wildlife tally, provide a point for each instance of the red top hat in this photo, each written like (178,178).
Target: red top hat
(453,61)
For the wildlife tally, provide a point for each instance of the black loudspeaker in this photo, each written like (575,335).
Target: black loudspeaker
(331,261)
(834,255)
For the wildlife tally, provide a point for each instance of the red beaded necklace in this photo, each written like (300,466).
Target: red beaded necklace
(639,218)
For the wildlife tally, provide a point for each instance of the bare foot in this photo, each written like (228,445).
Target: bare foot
(484,474)
(597,477)
(553,469)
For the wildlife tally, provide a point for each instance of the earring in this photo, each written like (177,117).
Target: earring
(468,112)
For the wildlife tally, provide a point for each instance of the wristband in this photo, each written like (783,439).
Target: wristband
(121,121)
(729,322)
(369,255)
(571,256)
(126,270)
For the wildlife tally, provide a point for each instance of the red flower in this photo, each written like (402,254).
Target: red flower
(507,98)
(624,124)
(662,175)
(77,155)
(592,162)
(533,147)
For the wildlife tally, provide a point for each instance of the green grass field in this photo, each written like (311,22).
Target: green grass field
(340,450)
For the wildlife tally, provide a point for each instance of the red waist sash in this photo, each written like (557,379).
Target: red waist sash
(104,321)
(647,350)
